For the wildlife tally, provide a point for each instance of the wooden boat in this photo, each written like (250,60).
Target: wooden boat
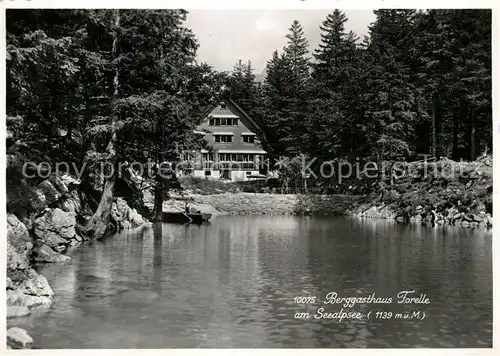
(181,217)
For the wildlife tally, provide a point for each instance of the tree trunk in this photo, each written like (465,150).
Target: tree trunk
(433,137)
(472,143)
(159,179)
(454,147)
(98,224)
(159,186)
(158,208)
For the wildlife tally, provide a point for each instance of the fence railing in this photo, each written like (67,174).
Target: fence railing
(220,166)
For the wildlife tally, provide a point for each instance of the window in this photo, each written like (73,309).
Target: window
(208,156)
(248,138)
(223,122)
(223,106)
(223,138)
(208,173)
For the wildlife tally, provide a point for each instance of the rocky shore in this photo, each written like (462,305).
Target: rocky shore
(439,193)
(452,216)
(53,223)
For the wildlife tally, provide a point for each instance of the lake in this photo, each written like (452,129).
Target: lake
(234,283)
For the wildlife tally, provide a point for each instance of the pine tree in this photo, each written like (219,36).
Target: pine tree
(242,86)
(277,95)
(295,62)
(297,54)
(335,107)
(391,102)
(330,54)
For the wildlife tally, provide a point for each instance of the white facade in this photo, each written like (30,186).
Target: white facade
(235,152)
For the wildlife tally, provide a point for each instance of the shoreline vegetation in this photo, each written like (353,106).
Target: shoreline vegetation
(428,196)
(100,87)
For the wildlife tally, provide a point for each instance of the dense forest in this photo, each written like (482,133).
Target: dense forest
(419,83)
(93,86)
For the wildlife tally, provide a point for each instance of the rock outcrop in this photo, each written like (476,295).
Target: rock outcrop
(44,254)
(56,229)
(53,215)
(377,212)
(18,236)
(26,289)
(18,338)
(125,217)
(442,193)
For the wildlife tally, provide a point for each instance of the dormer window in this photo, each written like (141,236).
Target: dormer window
(223,106)
(223,121)
(248,137)
(223,137)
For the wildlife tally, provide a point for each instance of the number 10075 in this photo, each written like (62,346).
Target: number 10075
(304,300)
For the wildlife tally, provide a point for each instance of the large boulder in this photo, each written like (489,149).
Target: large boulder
(36,285)
(119,213)
(44,254)
(18,338)
(379,212)
(135,218)
(25,287)
(17,312)
(18,299)
(17,264)
(49,193)
(56,228)
(33,291)
(18,236)
(125,217)
(71,202)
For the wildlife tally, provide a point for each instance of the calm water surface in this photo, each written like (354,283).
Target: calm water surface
(231,284)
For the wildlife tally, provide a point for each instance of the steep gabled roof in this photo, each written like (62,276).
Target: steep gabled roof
(252,121)
(242,112)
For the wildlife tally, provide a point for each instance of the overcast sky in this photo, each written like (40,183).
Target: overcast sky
(228,35)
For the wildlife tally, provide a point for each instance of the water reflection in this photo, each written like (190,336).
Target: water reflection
(232,283)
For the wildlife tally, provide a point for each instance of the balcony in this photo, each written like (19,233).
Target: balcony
(233,166)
